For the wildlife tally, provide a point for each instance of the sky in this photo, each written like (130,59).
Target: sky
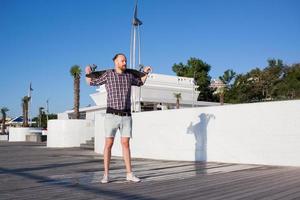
(41,39)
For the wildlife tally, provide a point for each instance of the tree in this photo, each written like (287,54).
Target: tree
(75,71)
(25,108)
(246,88)
(236,93)
(197,69)
(289,87)
(275,82)
(4,110)
(44,119)
(52,116)
(227,77)
(178,97)
(41,114)
(221,92)
(271,76)
(255,85)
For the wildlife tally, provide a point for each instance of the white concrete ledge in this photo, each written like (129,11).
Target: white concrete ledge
(69,133)
(18,134)
(34,137)
(3,137)
(257,133)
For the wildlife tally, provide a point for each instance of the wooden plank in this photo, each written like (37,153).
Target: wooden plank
(32,171)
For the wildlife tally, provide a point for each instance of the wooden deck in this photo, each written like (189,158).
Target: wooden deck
(32,171)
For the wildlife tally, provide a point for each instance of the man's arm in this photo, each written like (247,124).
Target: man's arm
(95,81)
(139,81)
(88,70)
(147,70)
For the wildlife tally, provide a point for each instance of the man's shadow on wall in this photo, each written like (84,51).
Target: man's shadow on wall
(199,129)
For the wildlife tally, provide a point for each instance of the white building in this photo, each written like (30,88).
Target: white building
(217,83)
(156,94)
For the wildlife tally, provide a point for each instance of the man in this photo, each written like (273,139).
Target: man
(118,84)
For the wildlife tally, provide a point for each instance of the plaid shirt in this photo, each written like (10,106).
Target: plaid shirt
(118,87)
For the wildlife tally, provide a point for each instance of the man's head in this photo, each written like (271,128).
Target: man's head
(120,61)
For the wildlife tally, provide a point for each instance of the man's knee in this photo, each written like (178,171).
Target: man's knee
(109,143)
(125,143)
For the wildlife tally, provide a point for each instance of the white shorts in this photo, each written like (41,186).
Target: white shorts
(114,122)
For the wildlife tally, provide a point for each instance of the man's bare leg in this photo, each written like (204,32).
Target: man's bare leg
(127,159)
(126,153)
(109,141)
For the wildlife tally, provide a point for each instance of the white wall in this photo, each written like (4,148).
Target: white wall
(257,133)
(69,133)
(3,137)
(63,115)
(18,134)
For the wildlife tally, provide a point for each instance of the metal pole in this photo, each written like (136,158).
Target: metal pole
(131,41)
(40,116)
(133,65)
(134,45)
(193,89)
(29,105)
(47,107)
(131,62)
(139,44)
(139,52)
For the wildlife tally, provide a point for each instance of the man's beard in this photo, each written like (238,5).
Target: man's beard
(123,68)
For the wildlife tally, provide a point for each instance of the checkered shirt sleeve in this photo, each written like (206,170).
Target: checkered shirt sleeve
(100,80)
(136,81)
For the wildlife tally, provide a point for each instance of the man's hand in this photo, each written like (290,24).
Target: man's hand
(147,69)
(88,70)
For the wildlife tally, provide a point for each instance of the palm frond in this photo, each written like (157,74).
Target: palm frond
(75,71)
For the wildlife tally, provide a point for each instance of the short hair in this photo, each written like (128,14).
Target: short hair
(118,54)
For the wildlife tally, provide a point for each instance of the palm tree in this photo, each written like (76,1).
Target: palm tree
(4,110)
(178,97)
(221,92)
(40,115)
(25,106)
(76,72)
(226,79)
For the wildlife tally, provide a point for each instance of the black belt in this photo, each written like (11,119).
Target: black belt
(118,112)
